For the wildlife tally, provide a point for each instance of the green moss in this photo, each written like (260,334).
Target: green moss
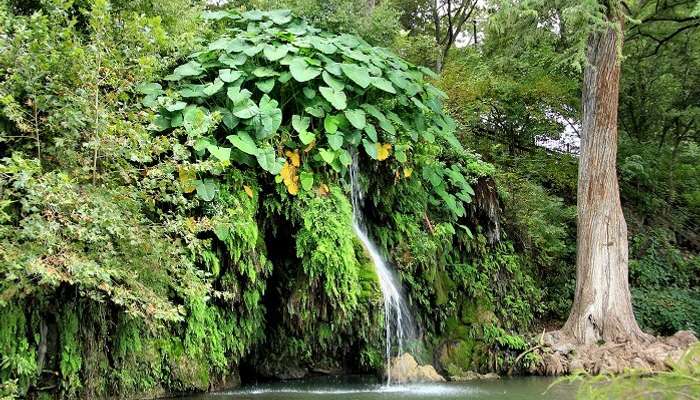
(18,357)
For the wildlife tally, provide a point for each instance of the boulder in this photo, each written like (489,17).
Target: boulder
(405,369)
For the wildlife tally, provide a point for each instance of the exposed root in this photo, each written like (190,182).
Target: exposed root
(562,355)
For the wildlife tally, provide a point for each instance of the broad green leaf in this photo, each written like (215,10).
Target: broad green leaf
(280,17)
(274,53)
(245,109)
(270,117)
(316,111)
(206,189)
(267,160)
(356,117)
(335,97)
(371,132)
(188,91)
(307,180)
(266,86)
(264,72)
(220,44)
(383,84)
(370,148)
(284,77)
(335,141)
(227,75)
(327,155)
(300,124)
(192,68)
(196,121)
(227,117)
(177,106)
(334,83)
(344,157)
(233,60)
(334,68)
(253,15)
(250,51)
(309,93)
(301,71)
(177,120)
(149,88)
(306,137)
(221,153)
(331,123)
(322,45)
(161,123)
(237,95)
(357,74)
(244,143)
(214,87)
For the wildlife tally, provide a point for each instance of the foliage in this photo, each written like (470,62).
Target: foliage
(294,101)
(377,23)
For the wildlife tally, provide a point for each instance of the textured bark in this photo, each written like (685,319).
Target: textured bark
(602,308)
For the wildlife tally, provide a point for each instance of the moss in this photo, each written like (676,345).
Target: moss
(71,358)
(18,362)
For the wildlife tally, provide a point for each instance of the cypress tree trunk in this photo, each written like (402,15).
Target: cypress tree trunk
(602,308)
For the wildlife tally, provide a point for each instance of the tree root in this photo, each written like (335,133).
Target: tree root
(561,355)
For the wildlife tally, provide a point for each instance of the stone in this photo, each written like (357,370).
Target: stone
(405,369)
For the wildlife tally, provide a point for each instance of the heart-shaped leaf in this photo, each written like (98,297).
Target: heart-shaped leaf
(301,71)
(327,155)
(383,84)
(244,143)
(306,137)
(221,153)
(357,74)
(335,141)
(228,75)
(356,117)
(300,124)
(274,53)
(192,68)
(307,180)
(337,98)
(370,148)
(206,189)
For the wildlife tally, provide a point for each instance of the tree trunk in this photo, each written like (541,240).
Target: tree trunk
(602,308)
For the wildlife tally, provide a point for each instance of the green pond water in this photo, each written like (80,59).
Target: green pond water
(367,389)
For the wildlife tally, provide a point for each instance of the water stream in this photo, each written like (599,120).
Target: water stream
(397,317)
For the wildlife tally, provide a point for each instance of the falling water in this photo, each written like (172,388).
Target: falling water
(397,318)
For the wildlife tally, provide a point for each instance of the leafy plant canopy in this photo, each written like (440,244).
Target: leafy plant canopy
(281,95)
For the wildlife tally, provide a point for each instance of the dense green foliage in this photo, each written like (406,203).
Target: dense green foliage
(174,190)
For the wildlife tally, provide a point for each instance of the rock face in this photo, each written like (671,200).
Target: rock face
(405,369)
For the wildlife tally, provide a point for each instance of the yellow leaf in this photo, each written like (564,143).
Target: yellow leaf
(187,177)
(191,224)
(407,172)
(293,157)
(288,171)
(383,151)
(293,188)
(310,147)
(248,191)
(323,189)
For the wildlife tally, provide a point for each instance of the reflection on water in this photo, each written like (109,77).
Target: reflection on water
(367,389)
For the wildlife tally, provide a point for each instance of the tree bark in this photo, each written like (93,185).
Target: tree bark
(602,308)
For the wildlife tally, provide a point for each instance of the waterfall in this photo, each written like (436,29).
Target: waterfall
(397,318)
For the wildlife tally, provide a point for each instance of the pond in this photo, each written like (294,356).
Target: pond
(359,388)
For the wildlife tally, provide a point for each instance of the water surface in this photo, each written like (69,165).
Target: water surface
(362,389)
